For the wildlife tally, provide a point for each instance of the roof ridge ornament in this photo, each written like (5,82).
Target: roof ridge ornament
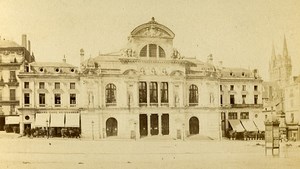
(153,21)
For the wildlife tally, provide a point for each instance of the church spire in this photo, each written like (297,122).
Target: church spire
(273,52)
(285,50)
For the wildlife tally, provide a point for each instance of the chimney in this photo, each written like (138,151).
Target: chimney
(81,56)
(220,64)
(29,46)
(24,41)
(210,59)
(255,73)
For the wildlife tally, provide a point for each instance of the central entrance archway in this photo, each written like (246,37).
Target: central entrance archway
(194,125)
(111,127)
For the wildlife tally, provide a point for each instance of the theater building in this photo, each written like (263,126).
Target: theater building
(147,89)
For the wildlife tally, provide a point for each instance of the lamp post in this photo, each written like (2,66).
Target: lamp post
(135,134)
(93,130)
(47,130)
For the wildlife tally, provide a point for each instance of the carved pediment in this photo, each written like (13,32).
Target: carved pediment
(153,31)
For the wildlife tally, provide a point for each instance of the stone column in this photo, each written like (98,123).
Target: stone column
(149,124)
(159,125)
(148,94)
(158,94)
(171,94)
(147,52)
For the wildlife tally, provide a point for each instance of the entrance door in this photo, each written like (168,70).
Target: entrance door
(154,124)
(165,124)
(194,125)
(111,127)
(143,125)
(2,122)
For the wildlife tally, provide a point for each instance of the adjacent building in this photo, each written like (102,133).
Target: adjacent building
(14,58)
(49,96)
(292,108)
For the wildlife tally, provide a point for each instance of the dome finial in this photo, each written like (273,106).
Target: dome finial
(152,19)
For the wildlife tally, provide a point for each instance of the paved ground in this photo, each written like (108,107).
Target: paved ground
(41,153)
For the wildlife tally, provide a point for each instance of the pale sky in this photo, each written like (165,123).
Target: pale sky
(238,32)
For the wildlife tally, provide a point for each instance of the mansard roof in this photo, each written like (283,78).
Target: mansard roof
(231,72)
(52,64)
(8,44)
(153,29)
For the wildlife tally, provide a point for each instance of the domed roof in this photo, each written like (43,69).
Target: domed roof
(153,29)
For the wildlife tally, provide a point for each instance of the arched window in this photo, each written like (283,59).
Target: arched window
(143,52)
(153,92)
(162,53)
(193,95)
(152,51)
(143,93)
(110,93)
(164,92)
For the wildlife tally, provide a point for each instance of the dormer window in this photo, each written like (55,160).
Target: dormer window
(152,51)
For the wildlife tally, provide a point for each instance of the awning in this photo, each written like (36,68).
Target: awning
(249,125)
(57,120)
(72,120)
(260,124)
(41,119)
(236,125)
(12,120)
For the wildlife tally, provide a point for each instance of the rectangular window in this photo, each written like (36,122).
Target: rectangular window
(153,92)
(42,85)
(12,94)
(57,100)
(26,99)
(57,85)
(221,99)
(12,76)
(221,88)
(255,87)
(244,88)
(244,99)
(42,99)
(72,99)
(164,92)
(72,85)
(231,99)
(232,115)
(142,92)
(231,87)
(26,85)
(0,94)
(12,109)
(255,99)
(244,115)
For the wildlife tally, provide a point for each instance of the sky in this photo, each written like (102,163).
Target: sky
(239,33)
